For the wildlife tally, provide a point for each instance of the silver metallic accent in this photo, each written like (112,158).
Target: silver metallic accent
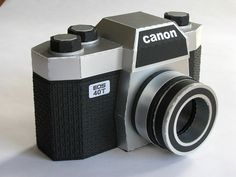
(194,36)
(122,28)
(91,42)
(105,55)
(79,52)
(146,98)
(128,138)
(96,58)
(125,29)
(186,28)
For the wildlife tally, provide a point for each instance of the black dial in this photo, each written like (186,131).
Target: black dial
(63,43)
(86,32)
(181,18)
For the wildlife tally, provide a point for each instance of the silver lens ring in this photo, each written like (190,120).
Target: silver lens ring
(146,98)
(199,125)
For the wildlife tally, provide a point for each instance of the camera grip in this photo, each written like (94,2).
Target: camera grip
(69,124)
(194,63)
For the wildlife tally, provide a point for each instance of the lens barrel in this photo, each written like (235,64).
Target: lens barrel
(174,111)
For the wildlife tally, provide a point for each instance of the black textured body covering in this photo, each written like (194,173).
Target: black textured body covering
(194,63)
(69,124)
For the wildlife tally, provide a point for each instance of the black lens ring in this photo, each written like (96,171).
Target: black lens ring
(137,96)
(152,109)
(158,113)
(154,102)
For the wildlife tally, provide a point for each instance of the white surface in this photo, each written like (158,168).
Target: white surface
(26,23)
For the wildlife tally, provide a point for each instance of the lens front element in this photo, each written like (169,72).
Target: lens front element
(192,122)
(174,111)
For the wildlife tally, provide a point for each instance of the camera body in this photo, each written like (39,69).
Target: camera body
(103,87)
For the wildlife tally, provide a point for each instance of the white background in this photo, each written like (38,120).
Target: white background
(26,23)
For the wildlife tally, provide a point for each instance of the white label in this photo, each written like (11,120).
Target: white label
(99,89)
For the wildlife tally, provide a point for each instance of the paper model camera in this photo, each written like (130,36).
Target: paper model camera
(130,81)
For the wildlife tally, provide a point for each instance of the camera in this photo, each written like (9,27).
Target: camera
(131,80)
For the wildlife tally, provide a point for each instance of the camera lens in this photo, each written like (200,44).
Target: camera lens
(192,119)
(186,117)
(174,111)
